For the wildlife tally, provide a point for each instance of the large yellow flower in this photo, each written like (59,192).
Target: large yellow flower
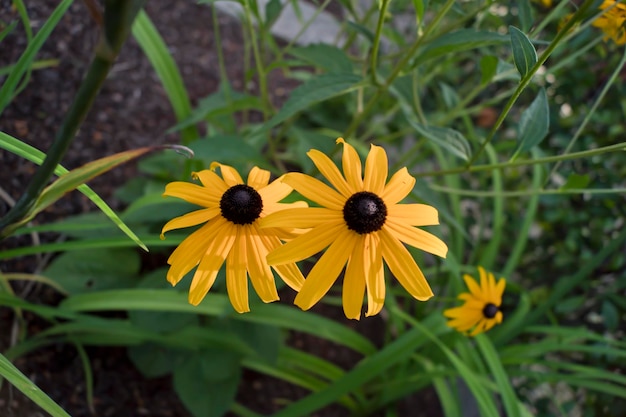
(612,22)
(361,223)
(481,310)
(231,233)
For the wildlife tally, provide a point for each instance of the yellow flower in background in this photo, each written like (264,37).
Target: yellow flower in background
(545,3)
(361,223)
(481,310)
(230,234)
(613,21)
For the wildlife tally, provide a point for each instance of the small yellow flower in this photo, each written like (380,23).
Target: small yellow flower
(481,310)
(231,234)
(612,22)
(361,223)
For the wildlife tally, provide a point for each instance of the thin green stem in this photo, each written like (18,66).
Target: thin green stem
(590,113)
(222,64)
(528,77)
(476,168)
(525,193)
(119,15)
(258,61)
(376,44)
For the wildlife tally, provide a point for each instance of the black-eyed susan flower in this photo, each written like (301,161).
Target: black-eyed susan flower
(362,224)
(231,234)
(613,21)
(481,310)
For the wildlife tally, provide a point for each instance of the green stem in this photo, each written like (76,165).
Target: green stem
(258,61)
(118,17)
(590,113)
(222,64)
(524,193)
(574,155)
(528,77)
(376,44)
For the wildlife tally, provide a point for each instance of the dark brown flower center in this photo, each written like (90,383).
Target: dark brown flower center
(490,311)
(241,204)
(364,212)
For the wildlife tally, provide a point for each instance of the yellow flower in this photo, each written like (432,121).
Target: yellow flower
(231,233)
(481,310)
(544,3)
(612,22)
(361,223)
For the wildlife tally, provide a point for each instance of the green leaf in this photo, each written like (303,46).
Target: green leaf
(273,8)
(576,182)
(419,10)
(156,50)
(307,139)
(358,28)
(488,68)
(324,56)
(94,270)
(525,14)
(8,29)
(24,63)
(449,139)
(610,315)
(265,340)
(227,149)
(534,123)
(26,386)
(317,89)
(524,54)
(153,360)
(461,40)
(207,382)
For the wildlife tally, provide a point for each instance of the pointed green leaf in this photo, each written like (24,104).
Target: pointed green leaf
(488,68)
(534,123)
(461,40)
(324,56)
(525,14)
(449,139)
(576,182)
(524,54)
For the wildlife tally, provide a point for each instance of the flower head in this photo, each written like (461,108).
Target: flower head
(231,234)
(362,224)
(613,21)
(481,310)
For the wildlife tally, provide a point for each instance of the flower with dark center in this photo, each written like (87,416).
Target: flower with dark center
(481,310)
(363,225)
(231,234)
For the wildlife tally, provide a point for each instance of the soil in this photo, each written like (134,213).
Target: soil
(131,111)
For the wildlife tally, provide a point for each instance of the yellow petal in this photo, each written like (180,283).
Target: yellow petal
(258,178)
(211,181)
(260,273)
(274,192)
(236,279)
(230,175)
(288,272)
(329,170)
(417,238)
(354,281)
(190,219)
(374,274)
(307,244)
(475,289)
(376,170)
(192,193)
(351,164)
(303,218)
(398,187)
(484,285)
(403,266)
(413,214)
(326,270)
(211,262)
(500,288)
(315,190)
(188,254)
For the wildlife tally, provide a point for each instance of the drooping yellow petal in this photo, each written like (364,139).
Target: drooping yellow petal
(398,187)
(354,281)
(315,190)
(193,193)
(417,238)
(403,266)
(413,214)
(258,178)
(351,164)
(326,270)
(307,244)
(288,272)
(214,257)
(304,218)
(376,170)
(330,171)
(190,219)
(230,175)
(373,269)
(260,273)
(236,279)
